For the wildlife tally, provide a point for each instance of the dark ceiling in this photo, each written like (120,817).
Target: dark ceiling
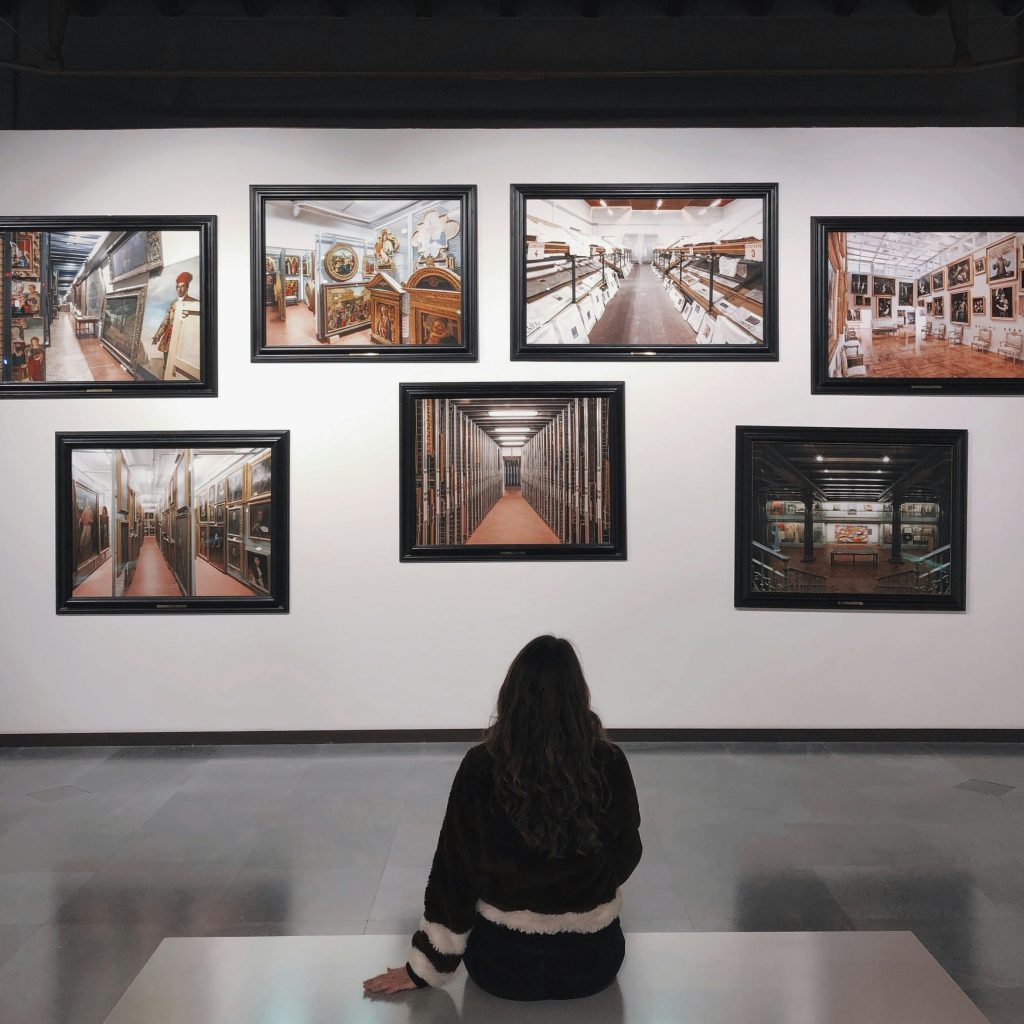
(163,63)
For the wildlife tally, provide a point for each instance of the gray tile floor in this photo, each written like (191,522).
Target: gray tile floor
(105,851)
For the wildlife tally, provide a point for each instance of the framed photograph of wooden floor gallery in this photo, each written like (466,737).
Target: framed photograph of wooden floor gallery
(172,522)
(950,327)
(506,472)
(851,518)
(363,273)
(645,272)
(108,307)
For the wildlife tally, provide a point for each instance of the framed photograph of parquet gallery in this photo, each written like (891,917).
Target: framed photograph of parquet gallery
(108,307)
(969,338)
(637,272)
(512,471)
(847,518)
(140,530)
(363,273)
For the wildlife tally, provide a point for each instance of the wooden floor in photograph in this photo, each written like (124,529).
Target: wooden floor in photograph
(211,582)
(895,355)
(846,577)
(153,577)
(884,977)
(513,521)
(70,358)
(642,314)
(99,583)
(299,329)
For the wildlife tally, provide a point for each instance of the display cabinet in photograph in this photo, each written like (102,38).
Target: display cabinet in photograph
(851,518)
(174,546)
(108,307)
(390,273)
(950,343)
(644,272)
(512,471)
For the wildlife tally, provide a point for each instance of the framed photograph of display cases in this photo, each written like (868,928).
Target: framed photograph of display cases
(891,355)
(847,518)
(182,566)
(111,307)
(512,471)
(388,273)
(706,289)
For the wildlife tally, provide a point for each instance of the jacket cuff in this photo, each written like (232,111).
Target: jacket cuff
(416,979)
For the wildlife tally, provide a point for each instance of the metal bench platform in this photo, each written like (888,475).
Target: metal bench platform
(696,977)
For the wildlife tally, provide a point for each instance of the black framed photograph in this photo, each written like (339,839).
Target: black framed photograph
(108,307)
(953,347)
(152,552)
(645,271)
(512,471)
(363,272)
(851,518)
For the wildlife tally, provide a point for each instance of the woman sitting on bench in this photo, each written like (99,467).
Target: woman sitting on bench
(542,828)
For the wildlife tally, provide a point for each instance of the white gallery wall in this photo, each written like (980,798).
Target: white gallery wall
(373,644)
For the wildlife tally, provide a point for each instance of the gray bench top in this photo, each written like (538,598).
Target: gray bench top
(696,977)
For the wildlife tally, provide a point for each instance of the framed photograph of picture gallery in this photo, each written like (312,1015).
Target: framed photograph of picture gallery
(363,273)
(508,472)
(108,307)
(960,274)
(141,522)
(851,518)
(632,272)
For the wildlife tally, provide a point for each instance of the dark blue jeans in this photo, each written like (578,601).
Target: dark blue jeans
(569,965)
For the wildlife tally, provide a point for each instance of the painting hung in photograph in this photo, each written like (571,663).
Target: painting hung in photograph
(1001,259)
(347,273)
(964,329)
(882,517)
(883,285)
(906,293)
(859,284)
(168,548)
(644,271)
(512,471)
(111,306)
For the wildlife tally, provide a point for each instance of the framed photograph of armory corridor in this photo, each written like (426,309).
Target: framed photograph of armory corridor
(851,518)
(182,522)
(512,471)
(108,306)
(644,272)
(366,273)
(953,324)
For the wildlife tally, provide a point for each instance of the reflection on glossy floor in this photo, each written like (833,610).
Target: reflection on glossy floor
(105,851)
(706,978)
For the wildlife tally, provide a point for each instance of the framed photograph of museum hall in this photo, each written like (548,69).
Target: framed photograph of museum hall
(945,310)
(851,518)
(369,272)
(172,522)
(645,272)
(108,307)
(507,472)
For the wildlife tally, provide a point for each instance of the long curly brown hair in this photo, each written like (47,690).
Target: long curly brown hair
(546,741)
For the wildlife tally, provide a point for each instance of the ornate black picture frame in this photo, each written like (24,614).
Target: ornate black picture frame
(712,289)
(410,294)
(851,518)
(156,546)
(66,328)
(948,348)
(484,469)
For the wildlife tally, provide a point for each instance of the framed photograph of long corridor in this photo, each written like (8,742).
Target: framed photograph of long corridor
(512,471)
(963,336)
(644,272)
(371,273)
(139,528)
(851,518)
(108,307)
